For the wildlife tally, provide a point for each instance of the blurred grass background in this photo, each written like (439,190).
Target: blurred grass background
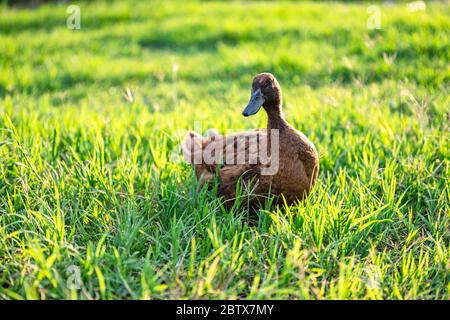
(88,181)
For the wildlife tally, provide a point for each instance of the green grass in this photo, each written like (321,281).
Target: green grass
(89,179)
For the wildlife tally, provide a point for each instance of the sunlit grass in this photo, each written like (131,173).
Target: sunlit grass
(89,181)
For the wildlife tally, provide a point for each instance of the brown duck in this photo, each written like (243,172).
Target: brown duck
(278,160)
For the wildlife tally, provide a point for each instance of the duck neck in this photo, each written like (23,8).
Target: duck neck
(275,118)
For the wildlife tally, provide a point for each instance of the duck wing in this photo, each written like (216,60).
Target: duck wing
(232,158)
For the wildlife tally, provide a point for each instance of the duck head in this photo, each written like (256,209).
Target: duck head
(266,93)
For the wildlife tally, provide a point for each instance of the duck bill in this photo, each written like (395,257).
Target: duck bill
(255,103)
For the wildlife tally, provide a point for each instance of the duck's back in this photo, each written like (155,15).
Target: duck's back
(236,158)
(231,157)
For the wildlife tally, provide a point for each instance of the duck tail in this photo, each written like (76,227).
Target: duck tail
(192,146)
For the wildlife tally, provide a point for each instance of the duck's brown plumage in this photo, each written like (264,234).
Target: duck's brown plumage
(298,159)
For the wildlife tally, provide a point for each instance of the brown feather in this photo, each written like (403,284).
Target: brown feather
(298,159)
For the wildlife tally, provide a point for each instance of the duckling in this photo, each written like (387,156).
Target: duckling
(289,168)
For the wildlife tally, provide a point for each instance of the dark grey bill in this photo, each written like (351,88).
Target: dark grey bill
(255,103)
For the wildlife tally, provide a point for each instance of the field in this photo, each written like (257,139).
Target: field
(96,204)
